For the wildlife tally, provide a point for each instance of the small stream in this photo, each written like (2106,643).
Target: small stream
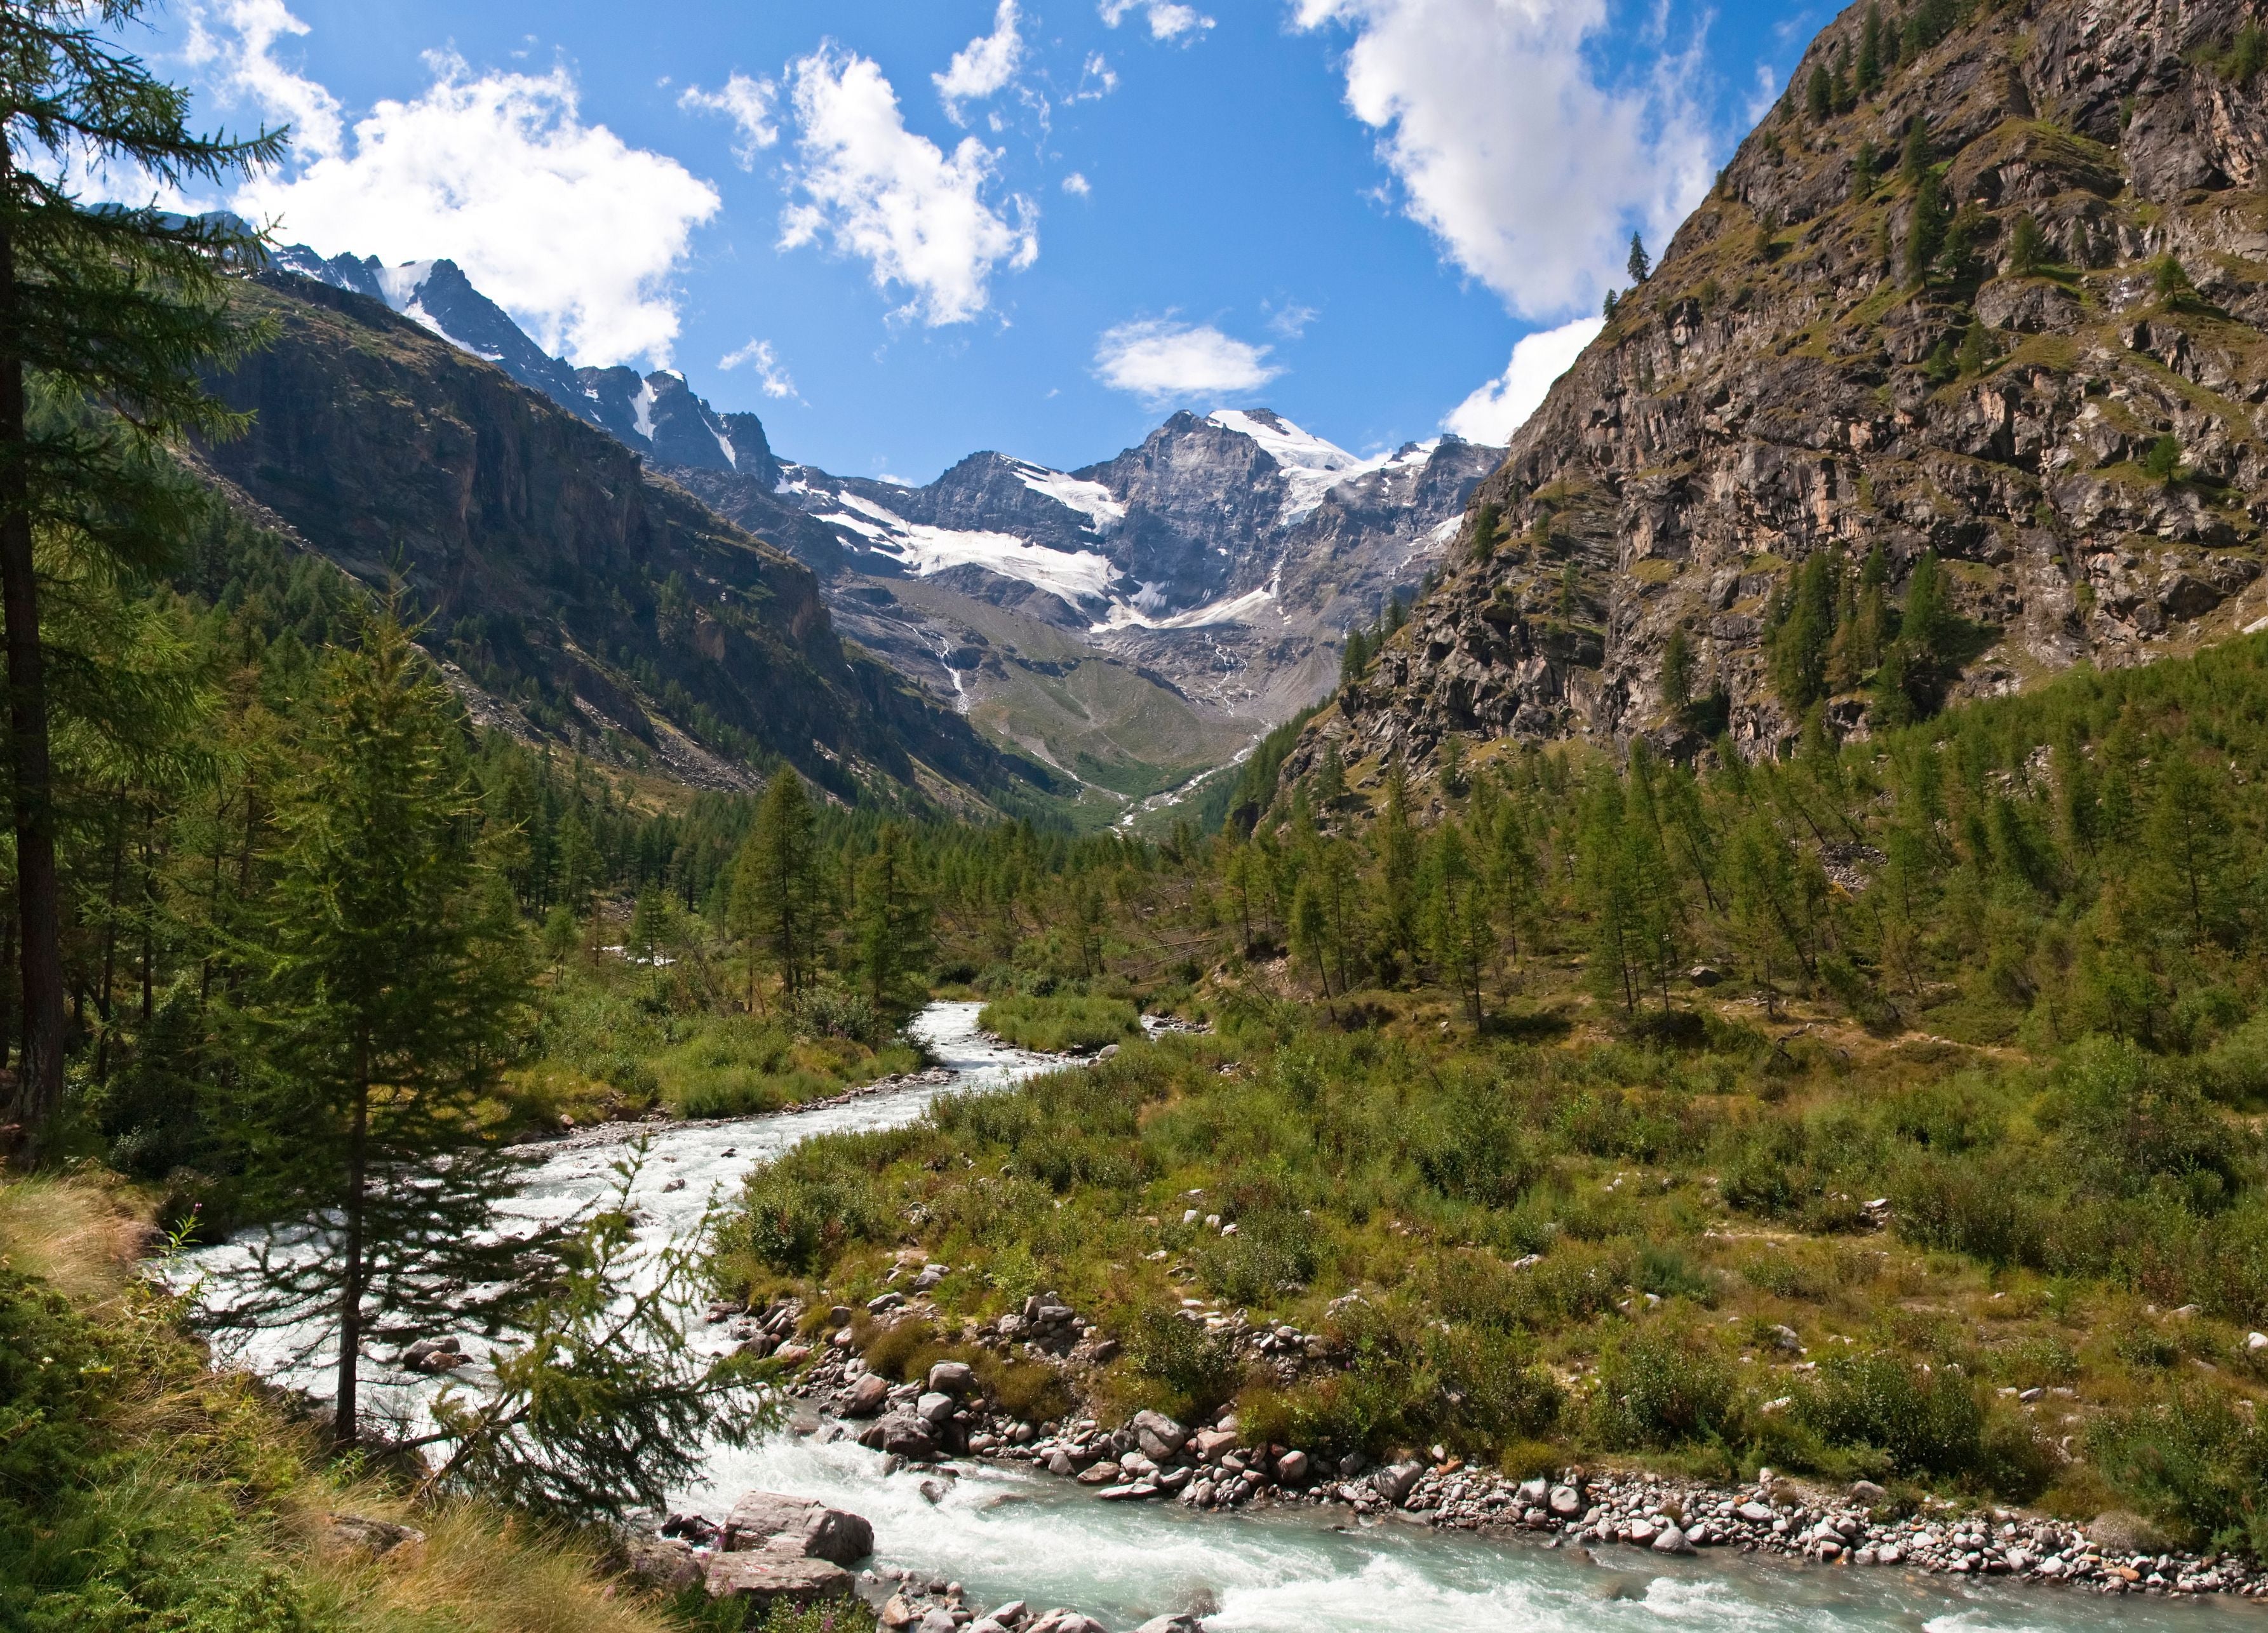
(1006,1532)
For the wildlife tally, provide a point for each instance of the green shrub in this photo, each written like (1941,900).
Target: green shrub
(1197,1366)
(2189,1461)
(1273,1253)
(1060,1022)
(1662,1390)
(1927,1422)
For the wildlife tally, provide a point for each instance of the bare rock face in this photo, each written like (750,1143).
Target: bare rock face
(1783,384)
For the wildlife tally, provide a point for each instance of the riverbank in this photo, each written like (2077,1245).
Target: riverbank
(1216,1467)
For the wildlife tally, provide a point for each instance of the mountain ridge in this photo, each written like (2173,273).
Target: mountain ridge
(1211,571)
(1794,378)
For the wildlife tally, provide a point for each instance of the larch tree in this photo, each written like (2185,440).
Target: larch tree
(774,901)
(395,982)
(120,307)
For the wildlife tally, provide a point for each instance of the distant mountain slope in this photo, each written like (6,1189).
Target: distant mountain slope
(2058,396)
(1212,570)
(589,600)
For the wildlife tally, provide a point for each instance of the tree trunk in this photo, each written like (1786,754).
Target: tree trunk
(343,1414)
(40,1079)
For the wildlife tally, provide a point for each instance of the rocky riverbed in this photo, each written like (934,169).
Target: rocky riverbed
(922,1426)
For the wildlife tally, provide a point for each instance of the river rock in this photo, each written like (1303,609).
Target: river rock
(1099,1473)
(1159,1436)
(939,1620)
(952,1377)
(1180,1622)
(1067,1622)
(378,1539)
(1008,1614)
(1867,1492)
(1672,1540)
(777,1523)
(1291,1467)
(775,1578)
(900,1434)
(866,1397)
(1567,1502)
(933,1408)
(663,1563)
(1395,1482)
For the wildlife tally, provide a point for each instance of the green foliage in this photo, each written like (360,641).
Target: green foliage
(1676,671)
(2028,246)
(1060,1022)
(2161,460)
(1640,265)
(2191,1462)
(1659,1389)
(1925,1421)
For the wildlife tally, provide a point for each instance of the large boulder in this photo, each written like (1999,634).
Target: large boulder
(902,1434)
(1395,1482)
(1159,1436)
(780,1524)
(865,1398)
(664,1563)
(769,1578)
(952,1377)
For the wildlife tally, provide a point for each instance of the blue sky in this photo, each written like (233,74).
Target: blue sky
(904,230)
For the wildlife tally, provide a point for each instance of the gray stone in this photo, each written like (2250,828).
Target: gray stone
(1672,1540)
(771,1579)
(1010,1614)
(1291,1467)
(1180,1623)
(1159,1436)
(901,1434)
(1867,1492)
(1567,1502)
(939,1620)
(866,1397)
(664,1563)
(952,1377)
(934,1408)
(1395,1482)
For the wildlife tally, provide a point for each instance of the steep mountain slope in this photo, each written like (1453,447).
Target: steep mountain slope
(1139,621)
(2028,339)
(578,597)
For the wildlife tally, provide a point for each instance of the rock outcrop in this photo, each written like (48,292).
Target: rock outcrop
(2065,409)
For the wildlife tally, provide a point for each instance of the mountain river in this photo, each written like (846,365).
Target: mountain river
(1006,1532)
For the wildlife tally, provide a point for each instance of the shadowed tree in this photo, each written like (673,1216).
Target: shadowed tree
(119,306)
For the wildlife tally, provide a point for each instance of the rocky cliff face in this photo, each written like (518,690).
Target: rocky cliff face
(1793,378)
(579,598)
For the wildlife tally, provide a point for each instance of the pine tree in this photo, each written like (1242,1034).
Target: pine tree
(392,987)
(125,308)
(1925,229)
(2027,247)
(1913,155)
(775,903)
(1800,644)
(891,927)
(1640,264)
(1676,671)
(1870,51)
(1310,933)
(1819,95)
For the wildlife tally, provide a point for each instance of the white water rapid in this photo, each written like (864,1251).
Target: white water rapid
(1006,1532)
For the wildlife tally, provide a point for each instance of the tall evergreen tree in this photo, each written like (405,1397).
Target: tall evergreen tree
(775,901)
(1640,265)
(393,982)
(99,305)
(891,926)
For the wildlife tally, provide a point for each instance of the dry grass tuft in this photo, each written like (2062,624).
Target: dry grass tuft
(81,1236)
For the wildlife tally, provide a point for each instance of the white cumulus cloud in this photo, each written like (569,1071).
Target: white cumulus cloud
(1527,167)
(1160,360)
(1499,409)
(983,66)
(748,104)
(1077,185)
(570,228)
(758,355)
(232,42)
(916,216)
(1168,20)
